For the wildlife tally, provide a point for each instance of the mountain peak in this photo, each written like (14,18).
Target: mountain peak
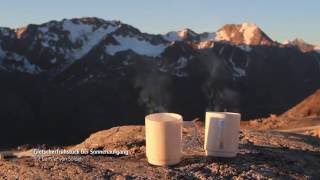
(184,34)
(248,25)
(297,41)
(89,20)
(302,45)
(245,33)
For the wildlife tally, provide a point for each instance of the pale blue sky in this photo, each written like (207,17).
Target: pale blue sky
(280,19)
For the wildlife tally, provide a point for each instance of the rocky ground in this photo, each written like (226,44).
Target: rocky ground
(306,125)
(263,155)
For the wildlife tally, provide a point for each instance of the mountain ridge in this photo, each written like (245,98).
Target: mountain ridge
(74,38)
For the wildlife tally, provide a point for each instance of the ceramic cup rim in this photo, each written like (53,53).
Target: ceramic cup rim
(174,115)
(215,114)
(223,115)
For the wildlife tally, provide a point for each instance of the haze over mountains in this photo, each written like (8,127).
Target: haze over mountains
(86,74)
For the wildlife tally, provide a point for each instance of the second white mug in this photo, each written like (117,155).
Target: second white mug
(222,134)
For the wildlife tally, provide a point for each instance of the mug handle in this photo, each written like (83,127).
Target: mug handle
(193,142)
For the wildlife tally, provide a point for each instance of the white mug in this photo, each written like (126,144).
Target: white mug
(222,134)
(164,138)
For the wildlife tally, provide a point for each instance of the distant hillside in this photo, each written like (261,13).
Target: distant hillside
(303,118)
(308,107)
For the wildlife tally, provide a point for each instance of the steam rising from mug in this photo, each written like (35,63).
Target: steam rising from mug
(154,93)
(219,95)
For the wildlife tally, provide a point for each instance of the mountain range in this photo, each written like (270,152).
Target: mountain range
(81,75)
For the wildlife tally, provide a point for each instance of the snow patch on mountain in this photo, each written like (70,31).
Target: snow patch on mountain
(5,32)
(44,29)
(245,47)
(239,72)
(76,31)
(202,41)
(180,74)
(205,44)
(207,36)
(83,36)
(53,61)
(20,31)
(317,49)
(19,63)
(139,46)
(29,68)
(47,36)
(181,35)
(286,42)
(93,39)
(176,68)
(222,36)
(87,34)
(181,63)
(22,64)
(248,30)
(186,32)
(172,36)
(2,54)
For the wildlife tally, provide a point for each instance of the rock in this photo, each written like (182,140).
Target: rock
(129,138)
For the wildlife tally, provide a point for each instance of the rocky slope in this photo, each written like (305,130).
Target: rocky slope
(81,75)
(303,118)
(262,155)
(308,107)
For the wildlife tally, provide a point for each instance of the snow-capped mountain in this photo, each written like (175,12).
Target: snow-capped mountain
(243,34)
(238,34)
(102,73)
(302,45)
(11,60)
(182,35)
(54,46)
(57,44)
